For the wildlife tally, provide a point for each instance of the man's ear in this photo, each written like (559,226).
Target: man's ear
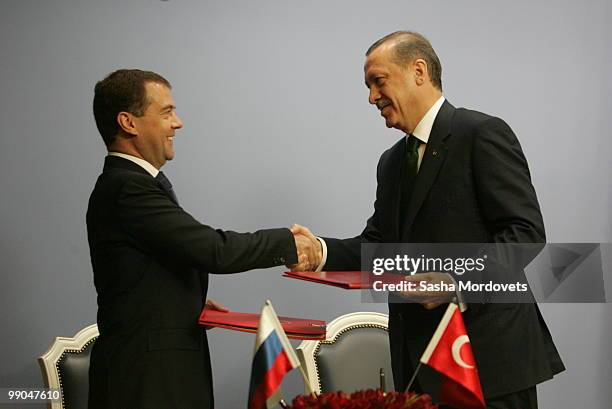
(126,123)
(421,73)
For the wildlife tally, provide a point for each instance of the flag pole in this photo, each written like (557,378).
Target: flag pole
(453,301)
(308,387)
(413,378)
(304,376)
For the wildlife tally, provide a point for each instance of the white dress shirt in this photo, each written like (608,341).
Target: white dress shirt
(140,162)
(423,128)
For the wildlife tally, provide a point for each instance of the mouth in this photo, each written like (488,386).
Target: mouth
(382,105)
(170,138)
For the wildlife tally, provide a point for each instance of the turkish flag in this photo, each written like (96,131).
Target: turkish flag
(449,352)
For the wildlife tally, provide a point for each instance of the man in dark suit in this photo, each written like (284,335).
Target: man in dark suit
(151,259)
(458,176)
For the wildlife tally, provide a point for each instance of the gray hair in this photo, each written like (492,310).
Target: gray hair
(410,45)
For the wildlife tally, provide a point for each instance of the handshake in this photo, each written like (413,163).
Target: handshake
(309,249)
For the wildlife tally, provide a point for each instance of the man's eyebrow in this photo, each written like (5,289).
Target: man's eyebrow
(168,107)
(370,77)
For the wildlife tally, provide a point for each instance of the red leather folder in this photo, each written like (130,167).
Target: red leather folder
(296,328)
(350,280)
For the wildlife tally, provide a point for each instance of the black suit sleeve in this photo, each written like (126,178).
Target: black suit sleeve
(504,190)
(507,201)
(151,218)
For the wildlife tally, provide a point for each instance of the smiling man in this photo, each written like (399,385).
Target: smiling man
(151,259)
(400,91)
(456,176)
(158,124)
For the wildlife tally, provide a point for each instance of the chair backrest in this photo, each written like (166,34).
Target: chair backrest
(350,358)
(65,366)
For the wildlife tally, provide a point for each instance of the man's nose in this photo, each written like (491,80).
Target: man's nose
(178,124)
(374,96)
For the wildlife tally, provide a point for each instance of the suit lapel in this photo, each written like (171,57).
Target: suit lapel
(112,163)
(396,164)
(433,158)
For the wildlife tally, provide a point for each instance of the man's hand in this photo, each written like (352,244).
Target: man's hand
(215,305)
(430,298)
(308,248)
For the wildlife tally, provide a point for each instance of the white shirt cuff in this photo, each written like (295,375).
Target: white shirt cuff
(324,257)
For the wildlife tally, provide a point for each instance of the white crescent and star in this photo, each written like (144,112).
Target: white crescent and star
(463,339)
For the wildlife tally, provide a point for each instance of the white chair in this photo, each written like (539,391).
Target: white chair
(65,366)
(350,358)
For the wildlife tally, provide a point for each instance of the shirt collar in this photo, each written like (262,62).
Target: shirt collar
(423,128)
(141,162)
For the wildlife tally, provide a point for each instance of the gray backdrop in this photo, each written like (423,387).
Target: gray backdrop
(278,130)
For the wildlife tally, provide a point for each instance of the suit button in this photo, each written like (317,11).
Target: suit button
(282,259)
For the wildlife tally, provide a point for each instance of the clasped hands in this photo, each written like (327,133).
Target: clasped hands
(310,255)
(429,299)
(309,250)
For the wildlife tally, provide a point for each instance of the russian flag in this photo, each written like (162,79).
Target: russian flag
(274,357)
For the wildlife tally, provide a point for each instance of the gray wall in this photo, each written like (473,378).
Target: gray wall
(278,130)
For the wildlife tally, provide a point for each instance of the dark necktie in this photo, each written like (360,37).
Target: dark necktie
(167,186)
(411,162)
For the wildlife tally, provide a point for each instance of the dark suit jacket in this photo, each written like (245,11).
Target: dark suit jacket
(473,186)
(151,261)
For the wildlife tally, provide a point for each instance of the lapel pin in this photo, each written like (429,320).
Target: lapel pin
(434,152)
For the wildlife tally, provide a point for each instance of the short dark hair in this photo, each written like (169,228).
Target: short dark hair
(410,45)
(121,90)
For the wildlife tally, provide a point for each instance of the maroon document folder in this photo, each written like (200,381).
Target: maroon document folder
(296,328)
(350,280)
